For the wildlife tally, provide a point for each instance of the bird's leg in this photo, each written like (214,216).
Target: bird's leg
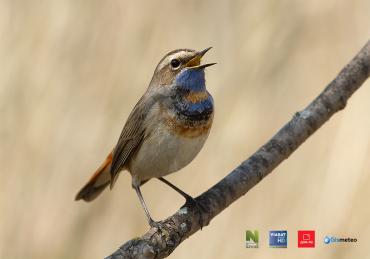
(151,222)
(189,199)
(184,194)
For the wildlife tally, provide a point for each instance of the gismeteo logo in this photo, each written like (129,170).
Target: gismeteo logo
(331,239)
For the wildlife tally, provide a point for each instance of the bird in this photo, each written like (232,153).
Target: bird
(165,130)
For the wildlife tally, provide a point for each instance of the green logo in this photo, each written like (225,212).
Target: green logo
(251,239)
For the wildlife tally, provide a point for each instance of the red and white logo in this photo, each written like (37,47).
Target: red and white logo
(306,238)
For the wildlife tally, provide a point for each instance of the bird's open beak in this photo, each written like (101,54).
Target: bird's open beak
(195,61)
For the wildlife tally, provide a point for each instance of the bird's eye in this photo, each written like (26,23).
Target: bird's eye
(175,63)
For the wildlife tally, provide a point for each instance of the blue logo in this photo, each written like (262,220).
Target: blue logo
(278,238)
(327,240)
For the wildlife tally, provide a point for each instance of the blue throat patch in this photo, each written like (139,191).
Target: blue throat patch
(187,82)
(191,79)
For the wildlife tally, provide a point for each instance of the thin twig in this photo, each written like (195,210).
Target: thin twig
(159,243)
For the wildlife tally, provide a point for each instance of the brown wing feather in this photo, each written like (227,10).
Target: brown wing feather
(129,140)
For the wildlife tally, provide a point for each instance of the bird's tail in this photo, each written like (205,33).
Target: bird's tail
(97,183)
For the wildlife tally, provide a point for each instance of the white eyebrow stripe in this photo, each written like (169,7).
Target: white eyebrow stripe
(167,60)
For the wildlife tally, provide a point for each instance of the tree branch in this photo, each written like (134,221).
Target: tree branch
(159,243)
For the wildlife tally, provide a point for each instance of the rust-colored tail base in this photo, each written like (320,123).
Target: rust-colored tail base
(97,183)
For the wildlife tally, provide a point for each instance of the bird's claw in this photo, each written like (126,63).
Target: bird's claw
(155,224)
(191,202)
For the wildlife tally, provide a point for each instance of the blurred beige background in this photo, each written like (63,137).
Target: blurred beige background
(71,71)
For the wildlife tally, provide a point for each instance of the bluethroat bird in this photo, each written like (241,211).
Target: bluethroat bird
(164,132)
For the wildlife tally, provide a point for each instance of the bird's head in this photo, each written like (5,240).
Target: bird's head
(181,68)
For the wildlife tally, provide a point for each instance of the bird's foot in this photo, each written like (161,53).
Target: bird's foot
(156,224)
(191,202)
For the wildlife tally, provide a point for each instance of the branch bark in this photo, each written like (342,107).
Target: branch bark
(159,243)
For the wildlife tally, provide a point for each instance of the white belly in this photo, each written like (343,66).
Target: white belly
(163,153)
